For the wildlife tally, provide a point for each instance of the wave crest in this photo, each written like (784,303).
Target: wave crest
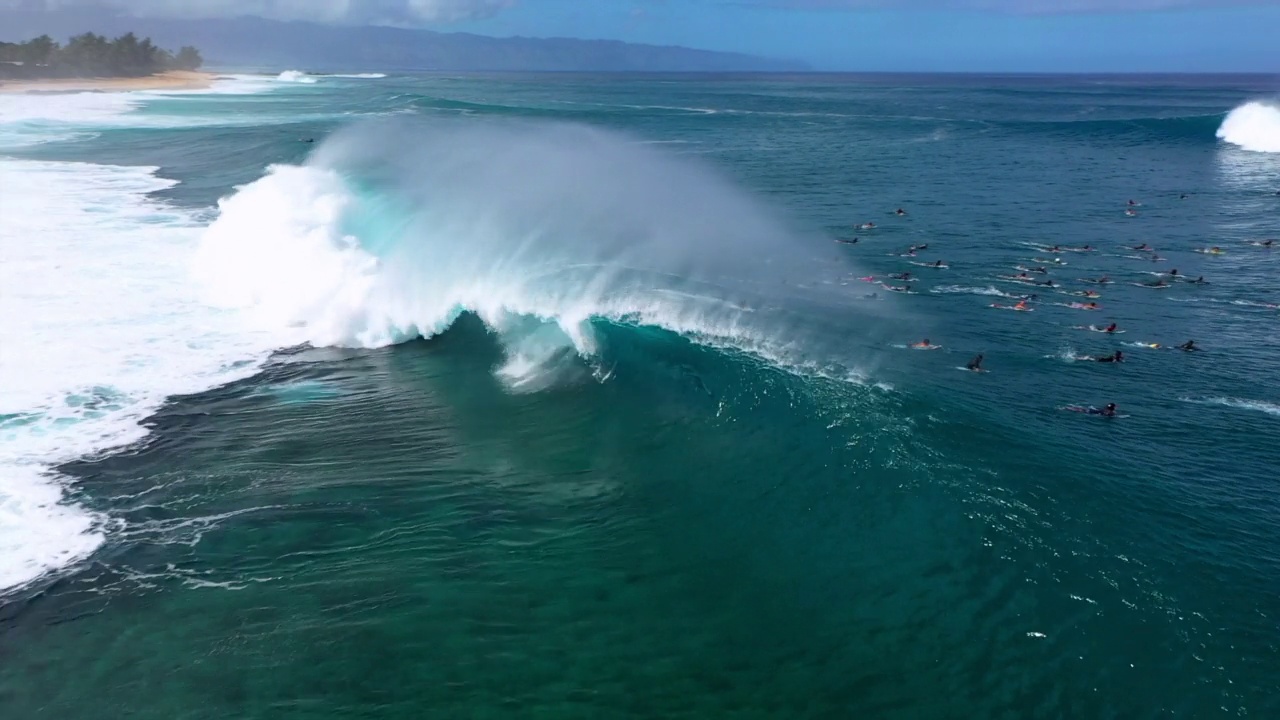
(296,76)
(1253,126)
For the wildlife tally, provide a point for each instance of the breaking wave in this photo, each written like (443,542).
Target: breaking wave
(1253,126)
(394,229)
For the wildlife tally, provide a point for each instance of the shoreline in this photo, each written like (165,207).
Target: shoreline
(171,80)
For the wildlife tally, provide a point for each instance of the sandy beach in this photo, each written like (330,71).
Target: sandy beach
(172,80)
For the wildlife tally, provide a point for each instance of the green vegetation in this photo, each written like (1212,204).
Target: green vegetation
(90,55)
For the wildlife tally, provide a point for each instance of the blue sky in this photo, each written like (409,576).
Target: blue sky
(938,35)
(929,35)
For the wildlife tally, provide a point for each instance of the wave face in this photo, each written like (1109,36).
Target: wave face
(394,229)
(1253,126)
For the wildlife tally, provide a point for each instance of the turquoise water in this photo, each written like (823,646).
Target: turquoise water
(660,454)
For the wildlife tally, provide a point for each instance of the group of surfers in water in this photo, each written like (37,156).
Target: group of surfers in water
(1025,276)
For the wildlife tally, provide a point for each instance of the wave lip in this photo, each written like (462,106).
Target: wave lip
(1253,126)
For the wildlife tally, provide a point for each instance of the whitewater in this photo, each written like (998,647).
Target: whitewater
(99,324)
(1253,126)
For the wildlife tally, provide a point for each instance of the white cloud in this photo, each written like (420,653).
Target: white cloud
(382,12)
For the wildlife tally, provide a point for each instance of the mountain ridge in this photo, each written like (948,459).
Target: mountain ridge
(249,41)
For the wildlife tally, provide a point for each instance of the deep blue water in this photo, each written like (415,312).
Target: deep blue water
(554,396)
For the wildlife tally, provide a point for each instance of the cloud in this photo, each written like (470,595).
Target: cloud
(346,12)
(1020,7)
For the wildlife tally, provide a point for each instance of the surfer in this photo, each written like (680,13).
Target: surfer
(938,264)
(1133,204)
(901,276)
(1108,411)
(1199,281)
(1111,329)
(1188,346)
(867,226)
(899,212)
(923,344)
(975,364)
(1131,212)
(854,241)
(914,248)
(1143,247)
(1156,284)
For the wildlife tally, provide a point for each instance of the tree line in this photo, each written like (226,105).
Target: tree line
(91,55)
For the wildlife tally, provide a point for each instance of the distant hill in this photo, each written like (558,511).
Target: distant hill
(254,42)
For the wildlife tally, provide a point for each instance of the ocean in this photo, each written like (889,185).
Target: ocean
(570,396)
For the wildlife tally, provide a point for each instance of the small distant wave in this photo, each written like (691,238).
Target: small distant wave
(1269,408)
(963,290)
(1065,354)
(296,76)
(1239,303)
(1253,126)
(359,76)
(35,119)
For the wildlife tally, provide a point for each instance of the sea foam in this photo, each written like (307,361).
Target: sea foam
(98,327)
(1253,126)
